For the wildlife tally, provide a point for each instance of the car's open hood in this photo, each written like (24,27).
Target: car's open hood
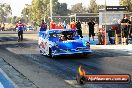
(70,44)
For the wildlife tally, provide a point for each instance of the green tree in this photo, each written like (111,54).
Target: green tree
(9,19)
(78,8)
(93,6)
(26,13)
(15,19)
(101,7)
(126,3)
(55,7)
(61,9)
(40,9)
(5,11)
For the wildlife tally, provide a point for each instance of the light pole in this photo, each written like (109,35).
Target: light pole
(51,11)
(75,17)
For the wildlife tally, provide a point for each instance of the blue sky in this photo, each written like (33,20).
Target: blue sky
(18,5)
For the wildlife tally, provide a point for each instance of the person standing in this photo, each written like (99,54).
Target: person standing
(64,25)
(52,25)
(91,29)
(79,28)
(125,29)
(100,39)
(73,25)
(20,28)
(43,26)
(2,26)
(130,30)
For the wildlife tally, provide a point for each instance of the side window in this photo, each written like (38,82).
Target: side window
(53,35)
(46,36)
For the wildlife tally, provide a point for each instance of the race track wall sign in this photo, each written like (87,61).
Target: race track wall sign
(116,8)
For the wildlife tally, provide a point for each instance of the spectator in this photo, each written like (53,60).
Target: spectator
(64,25)
(68,26)
(73,25)
(52,24)
(20,28)
(130,31)
(43,26)
(2,26)
(79,28)
(91,29)
(100,37)
(59,26)
(125,29)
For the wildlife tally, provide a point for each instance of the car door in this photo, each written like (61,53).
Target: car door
(46,46)
(42,40)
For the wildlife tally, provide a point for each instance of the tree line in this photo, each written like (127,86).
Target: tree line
(40,9)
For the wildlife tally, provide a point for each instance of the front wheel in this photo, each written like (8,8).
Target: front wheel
(50,53)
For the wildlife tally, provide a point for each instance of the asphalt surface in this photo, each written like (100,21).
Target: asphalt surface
(44,72)
(15,32)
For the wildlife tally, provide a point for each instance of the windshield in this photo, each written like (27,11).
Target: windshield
(69,35)
(54,35)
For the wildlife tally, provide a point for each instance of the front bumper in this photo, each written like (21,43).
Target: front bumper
(56,53)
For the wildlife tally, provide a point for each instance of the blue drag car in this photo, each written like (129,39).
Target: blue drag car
(50,43)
